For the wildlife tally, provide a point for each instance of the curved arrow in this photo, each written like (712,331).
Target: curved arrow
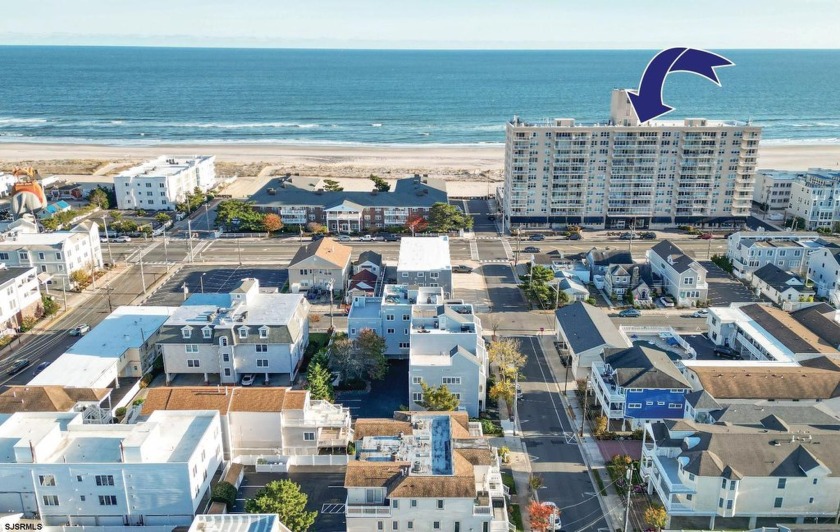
(647,101)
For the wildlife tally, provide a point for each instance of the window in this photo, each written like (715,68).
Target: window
(729,504)
(243,332)
(810,500)
(186,332)
(674,405)
(191,348)
(226,357)
(104,480)
(405,274)
(227,372)
(414,503)
(261,348)
(308,436)
(23,255)
(192,363)
(815,482)
(389,317)
(778,502)
(436,525)
(107,500)
(41,255)
(262,362)
(223,341)
(395,525)
(434,275)
(418,380)
(4,256)
(417,397)
(720,502)
(688,497)
(405,345)
(634,405)
(391,331)
(406,317)
(352,332)
(263,332)
(82,498)
(410,525)
(451,380)
(50,500)
(78,478)
(691,476)
(46,480)
(207,332)
(380,525)
(782,483)
(440,504)
(395,503)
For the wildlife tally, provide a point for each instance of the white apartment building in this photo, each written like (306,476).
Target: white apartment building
(682,277)
(158,184)
(743,477)
(237,523)
(749,251)
(19,295)
(122,346)
(824,271)
(424,471)
(54,255)
(6,182)
(623,173)
(262,422)
(815,197)
(773,189)
(227,336)
(447,347)
(64,472)
(425,261)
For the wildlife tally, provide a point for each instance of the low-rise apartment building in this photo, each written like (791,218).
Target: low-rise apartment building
(65,472)
(749,251)
(260,422)
(19,295)
(784,288)
(53,255)
(824,271)
(93,403)
(424,471)
(447,347)
(425,261)
(319,265)
(300,200)
(682,277)
(772,189)
(161,183)
(583,332)
(815,198)
(743,476)
(227,336)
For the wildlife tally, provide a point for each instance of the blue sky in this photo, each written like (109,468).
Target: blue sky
(450,24)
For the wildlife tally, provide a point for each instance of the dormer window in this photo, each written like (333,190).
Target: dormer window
(207,332)
(243,332)
(263,332)
(186,332)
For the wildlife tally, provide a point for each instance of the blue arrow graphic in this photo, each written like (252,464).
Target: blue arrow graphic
(647,101)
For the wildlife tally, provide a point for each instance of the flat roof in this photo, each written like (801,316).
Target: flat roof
(424,254)
(237,523)
(10,274)
(261,308)
(93,361)
(163,166)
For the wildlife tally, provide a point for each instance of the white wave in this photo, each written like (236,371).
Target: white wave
(828,141)
(117,122)
(376,125)
(244,125)
(11,121)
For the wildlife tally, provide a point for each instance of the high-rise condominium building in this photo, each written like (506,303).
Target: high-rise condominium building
(624,173)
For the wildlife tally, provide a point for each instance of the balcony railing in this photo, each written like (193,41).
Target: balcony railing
(367,510)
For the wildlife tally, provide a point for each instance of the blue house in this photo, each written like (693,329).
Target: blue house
(638,384)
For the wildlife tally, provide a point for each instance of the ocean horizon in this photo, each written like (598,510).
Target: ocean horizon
(151,95)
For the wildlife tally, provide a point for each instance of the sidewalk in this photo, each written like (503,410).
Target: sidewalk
(520,465)
(611,504)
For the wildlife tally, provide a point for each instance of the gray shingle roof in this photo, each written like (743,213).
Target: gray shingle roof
(607,257)
(819,319)
(778,278)
(702,400)
(371,257)
(641,367)
(673,255)
(7,274)
(587,327)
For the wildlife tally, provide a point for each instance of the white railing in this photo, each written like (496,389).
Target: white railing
(360,510)
(482,510)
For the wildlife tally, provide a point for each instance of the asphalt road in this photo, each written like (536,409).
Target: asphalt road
(546,429)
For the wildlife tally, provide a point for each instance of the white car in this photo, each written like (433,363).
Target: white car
(366,238)
(666,301)
(554,523)
(248,379)
(700,313)
(344,238)
(123,239)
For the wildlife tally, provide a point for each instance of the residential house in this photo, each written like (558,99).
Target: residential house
(320,264)
(424,471)
(572,286)
(63,471)
(762,332)
(447,347)
(162,183)
(638,384)
(749,251)
(54,255)
(600,260)
(682,277)
(227,336)
(21,297)
(361,284)
(93,403)
(815,198)
(786,289)
(425,261)
(262,421)
(300,200)
(636,279)
(121,347)
(370,261)
(824,271)
(743,476)
(583,332)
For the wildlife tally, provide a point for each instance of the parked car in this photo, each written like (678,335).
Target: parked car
(531,249)
(80,330)
(575,236)
(248,379)
(627,236)
(702,313)
(519,394)
(40,367)
(555,523)
(705,236)
(391,237)
(536,238)
(317,236)
(366,238)
(103,239)
(647,235)
(123,239)
(492,218)
(18,365)
(336,378)
(722,351)
(666,301)
(344,238)
(462,268)
(629,313)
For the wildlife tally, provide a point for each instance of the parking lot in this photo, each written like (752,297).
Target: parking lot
(325,491)
(385,396)
(723,289)
(217,280)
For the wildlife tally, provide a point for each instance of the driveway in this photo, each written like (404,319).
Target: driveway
(723,288)
(385,396)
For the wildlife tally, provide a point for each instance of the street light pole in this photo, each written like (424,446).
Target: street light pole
(142,275)
(108,241)
(515,400)
(239,251)
(189,237)
(108,291)
(201,280)
(629,486)
(331,283)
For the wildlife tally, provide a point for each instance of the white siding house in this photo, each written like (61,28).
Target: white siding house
(682,277)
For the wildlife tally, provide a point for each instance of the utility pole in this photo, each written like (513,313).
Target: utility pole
(239,251)
(108,241)
(629,478)
(201,280)
(330,285)
(709,251)
(108,291)
(142,275)
(585,401)
(515,400)
(518,244)
(189,237)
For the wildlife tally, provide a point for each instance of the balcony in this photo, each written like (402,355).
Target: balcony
(367,510)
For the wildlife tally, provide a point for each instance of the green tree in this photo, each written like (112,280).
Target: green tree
(363,358)
(50,305)
(315,227)
(444,218)
(380,184)
(116,216)
(371,349)
(656,516)
(319,382)
(331,185)
(438,398)
(284,498)
(50,224)
(224,492)
(240,215)
(99,198)
(162,218)
(536,286)
(272,222)
(505,354)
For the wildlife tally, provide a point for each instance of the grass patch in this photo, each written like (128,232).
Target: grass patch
(515,516)
(600,482)
(507,480)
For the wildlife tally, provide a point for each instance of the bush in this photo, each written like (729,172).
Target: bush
(120,412)
(490,429)
(146,380)
(224,492)
(138,402)
(27,323)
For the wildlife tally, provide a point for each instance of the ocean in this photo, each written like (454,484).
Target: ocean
(114,95)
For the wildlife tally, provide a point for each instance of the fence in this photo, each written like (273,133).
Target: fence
(281,464)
